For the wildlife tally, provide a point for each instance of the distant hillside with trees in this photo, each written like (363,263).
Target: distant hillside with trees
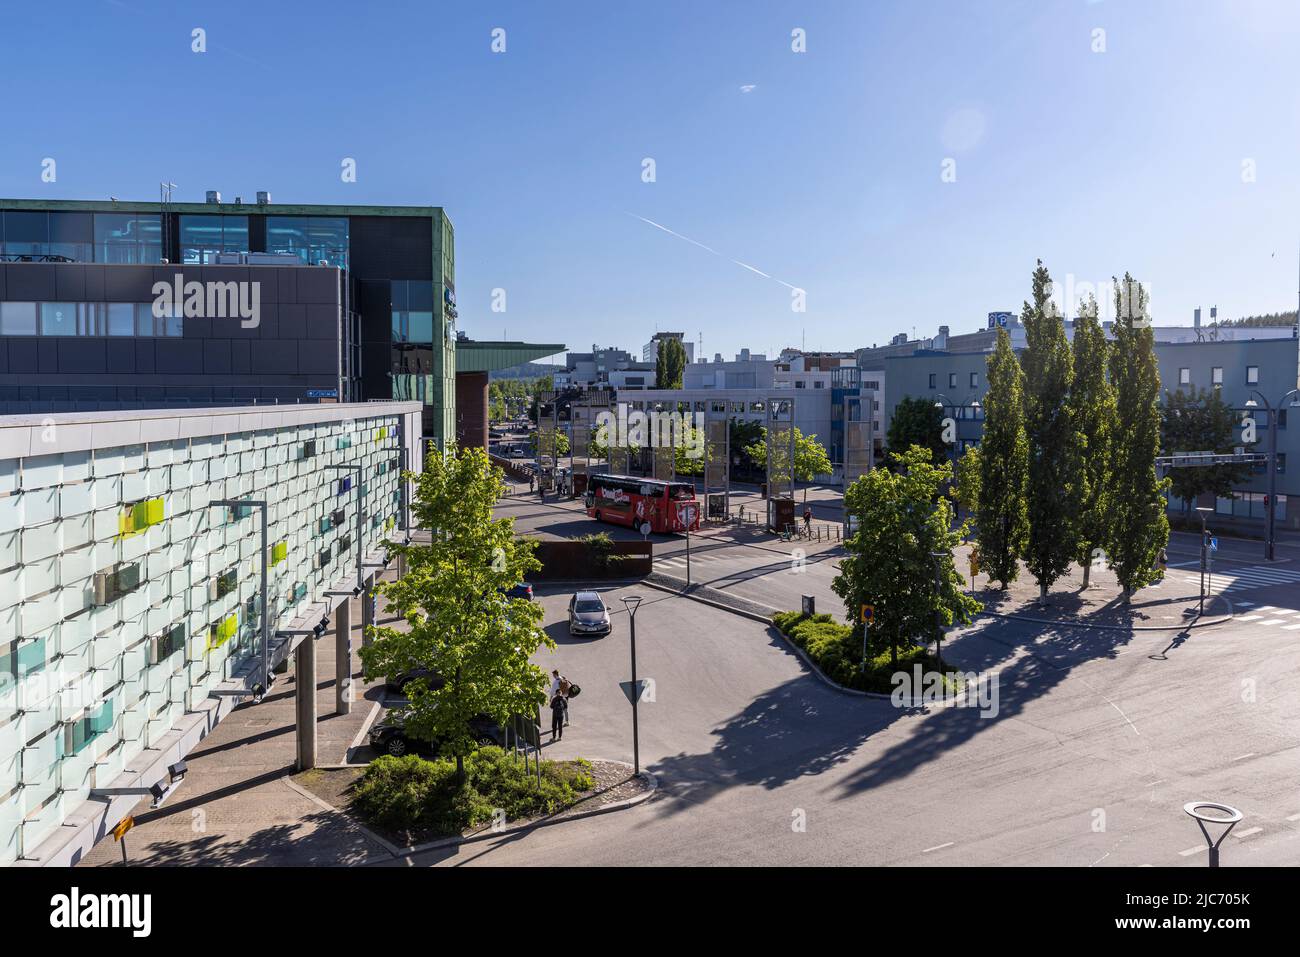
(1272,319)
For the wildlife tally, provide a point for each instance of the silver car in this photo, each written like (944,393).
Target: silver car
(588,614)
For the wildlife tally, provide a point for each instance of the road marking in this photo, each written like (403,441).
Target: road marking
(938,847)
(1246,604)
(1291,627)
(1248,832)
(1251,618)
(1154,783)
(1294,817)
(1191,850)
(1243,757)
(1273,621)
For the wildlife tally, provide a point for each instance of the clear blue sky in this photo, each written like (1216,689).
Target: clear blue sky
(825,175)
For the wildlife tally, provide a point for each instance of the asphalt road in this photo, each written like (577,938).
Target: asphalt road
(1099,739)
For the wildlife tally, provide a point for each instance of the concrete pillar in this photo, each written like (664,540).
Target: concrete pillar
(343,659)
(304,667)
(367,610)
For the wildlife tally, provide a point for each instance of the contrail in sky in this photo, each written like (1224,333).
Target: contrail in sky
(672,232)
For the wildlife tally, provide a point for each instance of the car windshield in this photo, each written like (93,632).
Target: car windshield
(588,607)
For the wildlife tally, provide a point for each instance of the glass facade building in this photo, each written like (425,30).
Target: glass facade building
(397,295)
(127,596)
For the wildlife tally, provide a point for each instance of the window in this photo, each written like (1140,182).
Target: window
(72,236)
(1184,376)
(952,380)
(128,238)
(819,384)
(1216,375)
(202,237)
(1252,375)
(17,318)
(974,380)
(310,238)
(58,319)
(799,383)
(413,312)
(932,380)
(120,318)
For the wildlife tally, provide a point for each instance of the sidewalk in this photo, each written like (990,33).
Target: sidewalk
(1170,604)
(234,809)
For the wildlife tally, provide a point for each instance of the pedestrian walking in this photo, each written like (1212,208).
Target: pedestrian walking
(1162,561)
(807,520)
(559,716)
(532,482)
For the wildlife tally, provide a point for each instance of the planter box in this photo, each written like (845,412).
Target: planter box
(575,561)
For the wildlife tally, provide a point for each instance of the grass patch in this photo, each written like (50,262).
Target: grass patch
(838,653)
(414,796)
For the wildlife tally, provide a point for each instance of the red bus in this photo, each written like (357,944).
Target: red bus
(648,505)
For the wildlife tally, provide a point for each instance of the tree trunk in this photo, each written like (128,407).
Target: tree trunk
(1126,596)
(1042,593)
(1087,574)
(893,652)
(460,769)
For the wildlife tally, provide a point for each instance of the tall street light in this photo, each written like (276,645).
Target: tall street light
(632,603)
(1294,397)
(1202,511)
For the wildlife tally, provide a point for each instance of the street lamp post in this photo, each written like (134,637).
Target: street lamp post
(1202,511)
(1273,410)
(632,603)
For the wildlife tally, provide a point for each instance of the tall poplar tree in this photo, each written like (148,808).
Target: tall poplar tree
(1138,523)
(1093,398)
(1004,455)
(1053,445)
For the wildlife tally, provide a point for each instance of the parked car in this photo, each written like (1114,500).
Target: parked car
(397,683)
(390,737)
(588,614)
(522,590)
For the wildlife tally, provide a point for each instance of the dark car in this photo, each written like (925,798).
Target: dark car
(390,737)
(522,590)
(397,683)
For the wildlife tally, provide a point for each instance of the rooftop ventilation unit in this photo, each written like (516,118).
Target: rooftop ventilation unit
(214,196)
(263,198)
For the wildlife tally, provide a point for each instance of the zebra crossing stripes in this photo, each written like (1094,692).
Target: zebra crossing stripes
(1240,579)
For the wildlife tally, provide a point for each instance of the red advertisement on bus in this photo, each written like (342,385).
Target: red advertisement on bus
(648,505)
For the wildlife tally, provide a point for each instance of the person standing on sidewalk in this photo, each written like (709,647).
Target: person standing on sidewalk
(559,711)
(807,520)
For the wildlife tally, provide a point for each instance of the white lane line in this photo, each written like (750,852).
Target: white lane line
(1273,621)
(1248,832)
(1192,850)
(1290,627)
(1293,817)
(1251,618)
(1154,783)
(938,847)
(1243,757)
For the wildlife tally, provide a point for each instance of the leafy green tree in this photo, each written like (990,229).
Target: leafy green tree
(810,457)
(744,433)
(1054,460)
(902,523)
(1138,523)
(916,421)
(460,625)
(1004,464)
(966,489)
(1200,421)
(561,442)
(670,364)
(1093,399)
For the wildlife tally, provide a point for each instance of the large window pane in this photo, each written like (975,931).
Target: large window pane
(58,319)
(203,236)
(72,235)
(128,238)
(420,325)
(17,318)
(121,318)
(310,238)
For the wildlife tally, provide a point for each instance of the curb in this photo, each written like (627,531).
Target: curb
(484,834)
(799,652)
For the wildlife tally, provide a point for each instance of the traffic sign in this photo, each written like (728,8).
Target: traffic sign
(868,614)
(122,826)
(1214,544)
(634,692)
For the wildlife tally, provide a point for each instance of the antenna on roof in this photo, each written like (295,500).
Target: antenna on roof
(165,190)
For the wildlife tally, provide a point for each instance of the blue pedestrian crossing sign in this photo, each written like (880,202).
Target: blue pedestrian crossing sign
(1214,544)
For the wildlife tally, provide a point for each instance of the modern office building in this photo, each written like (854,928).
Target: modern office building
(117,305)
(155,566)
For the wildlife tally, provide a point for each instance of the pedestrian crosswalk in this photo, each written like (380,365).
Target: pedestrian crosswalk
(679,560)
(1239,579)
(1267,616)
